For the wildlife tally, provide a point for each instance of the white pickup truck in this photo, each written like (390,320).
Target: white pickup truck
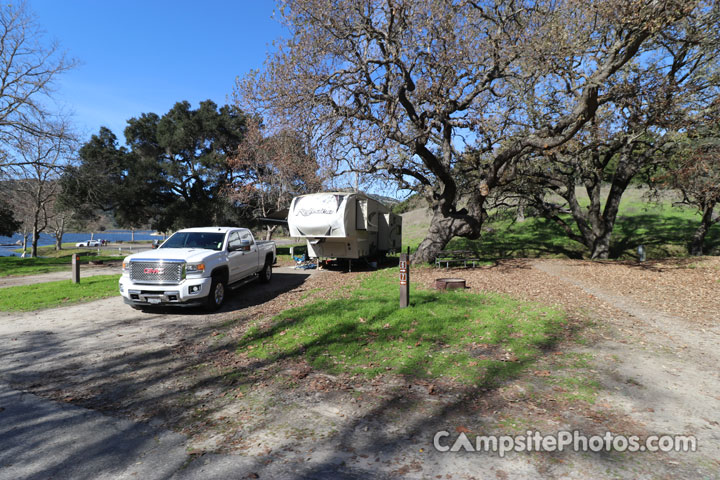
(196,266)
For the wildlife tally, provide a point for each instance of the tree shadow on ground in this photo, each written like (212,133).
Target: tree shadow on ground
(163,376)
(661,235)
(529,239)
(160,375)
(374,336)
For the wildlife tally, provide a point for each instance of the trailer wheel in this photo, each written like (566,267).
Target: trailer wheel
(266,272)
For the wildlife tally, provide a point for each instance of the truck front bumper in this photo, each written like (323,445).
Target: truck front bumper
(191,291)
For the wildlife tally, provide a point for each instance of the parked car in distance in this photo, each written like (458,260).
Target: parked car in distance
(196,266)
(89,243)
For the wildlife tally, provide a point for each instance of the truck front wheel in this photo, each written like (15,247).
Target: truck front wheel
(217,294)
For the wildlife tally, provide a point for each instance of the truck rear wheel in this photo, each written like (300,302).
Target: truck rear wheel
(217,294)
(266,272)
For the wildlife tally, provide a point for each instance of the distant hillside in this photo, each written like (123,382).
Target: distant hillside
(413,202)
(387,201)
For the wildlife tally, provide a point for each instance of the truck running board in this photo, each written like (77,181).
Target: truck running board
(244,281)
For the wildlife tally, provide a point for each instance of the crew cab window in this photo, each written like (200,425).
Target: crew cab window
(204,240)
(234,241)
(248,237)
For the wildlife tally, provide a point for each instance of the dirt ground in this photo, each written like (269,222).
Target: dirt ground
(640,359)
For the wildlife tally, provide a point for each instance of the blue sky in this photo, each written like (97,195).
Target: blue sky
(143,56)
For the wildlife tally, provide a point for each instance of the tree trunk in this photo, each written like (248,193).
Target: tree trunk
(132,235)
(35,229)
(698,239)
(58,233)
(35,235)
(442,230)
(596,224)
(601,248)
(269,230)
(25,242)
(431,246)
(520,216)
(601,245)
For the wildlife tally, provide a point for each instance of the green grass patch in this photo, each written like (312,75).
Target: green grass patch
(53,294)
(469,338)
(298,249)
(13,266)
(664,228)
(576,388)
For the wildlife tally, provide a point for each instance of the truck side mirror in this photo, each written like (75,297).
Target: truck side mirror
(243,246)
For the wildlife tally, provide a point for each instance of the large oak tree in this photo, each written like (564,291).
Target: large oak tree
(190,147)
(173,174)
(659,95)
(108,178)
(695,173)
(411,86)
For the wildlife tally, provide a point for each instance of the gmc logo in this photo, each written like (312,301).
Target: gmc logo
(154,271)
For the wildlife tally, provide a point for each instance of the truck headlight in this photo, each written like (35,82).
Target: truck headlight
(125,267)
(195,268)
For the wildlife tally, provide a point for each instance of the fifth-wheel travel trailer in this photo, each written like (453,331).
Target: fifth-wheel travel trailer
(344,225)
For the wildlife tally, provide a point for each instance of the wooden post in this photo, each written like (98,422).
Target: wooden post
(405,279)
(75,268)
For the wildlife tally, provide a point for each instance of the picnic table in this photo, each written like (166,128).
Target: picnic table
(456,257)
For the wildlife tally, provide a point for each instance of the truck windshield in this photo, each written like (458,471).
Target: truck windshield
(208,241)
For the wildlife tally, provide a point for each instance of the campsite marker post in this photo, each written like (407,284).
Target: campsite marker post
(75,268)
(404,279)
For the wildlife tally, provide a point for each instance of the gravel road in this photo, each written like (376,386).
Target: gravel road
(46,436)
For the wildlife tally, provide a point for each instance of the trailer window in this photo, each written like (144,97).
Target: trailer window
(327,204)
(361,214)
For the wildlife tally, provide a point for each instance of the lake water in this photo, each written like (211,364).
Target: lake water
(46,239)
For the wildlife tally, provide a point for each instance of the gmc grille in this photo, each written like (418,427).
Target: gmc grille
(157,273)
